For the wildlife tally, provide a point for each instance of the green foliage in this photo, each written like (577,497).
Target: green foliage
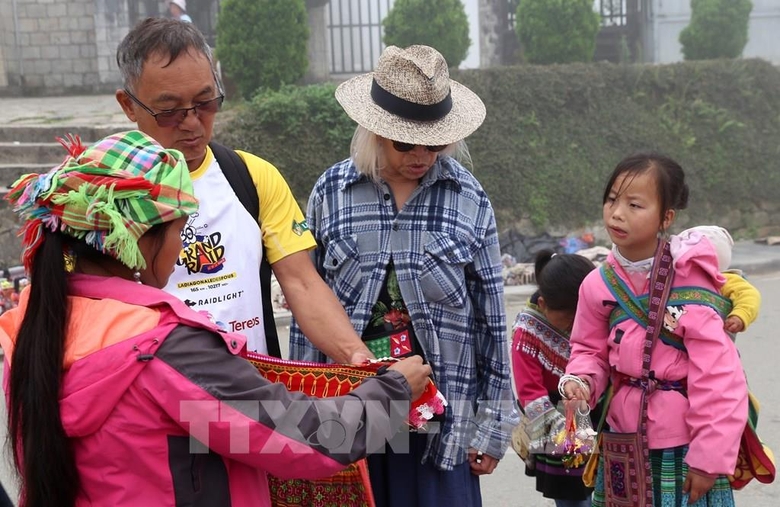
(554,133)
(262,43)
(718,29)
(441,24)
(557,31)
(302,130)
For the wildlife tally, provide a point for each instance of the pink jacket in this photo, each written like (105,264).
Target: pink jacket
(712,416)
(143,373)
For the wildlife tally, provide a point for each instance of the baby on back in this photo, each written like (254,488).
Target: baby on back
(744,297)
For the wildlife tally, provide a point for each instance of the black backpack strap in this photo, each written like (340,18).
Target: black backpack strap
(237,174)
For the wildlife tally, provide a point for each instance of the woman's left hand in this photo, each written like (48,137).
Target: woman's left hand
(481,464)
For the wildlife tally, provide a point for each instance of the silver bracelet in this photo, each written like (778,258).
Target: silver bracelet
(570,378)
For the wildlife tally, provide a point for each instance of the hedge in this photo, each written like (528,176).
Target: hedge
(302,130)
(554,133)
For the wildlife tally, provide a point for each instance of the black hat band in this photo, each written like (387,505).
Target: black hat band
(410,110)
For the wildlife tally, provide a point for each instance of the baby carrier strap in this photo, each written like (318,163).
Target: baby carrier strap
(631,306)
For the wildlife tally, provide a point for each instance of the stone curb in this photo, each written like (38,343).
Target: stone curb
(759,268)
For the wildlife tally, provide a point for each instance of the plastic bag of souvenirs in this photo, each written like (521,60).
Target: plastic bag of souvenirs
(577,440)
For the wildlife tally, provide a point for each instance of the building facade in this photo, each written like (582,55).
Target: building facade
(56,46)
(51,47)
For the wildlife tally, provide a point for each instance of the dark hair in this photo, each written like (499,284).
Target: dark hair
(559,277)
(81,250)
(167,37)
(669,178)
(43,454)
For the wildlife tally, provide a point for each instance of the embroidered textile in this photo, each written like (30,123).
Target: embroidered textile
(543,342)
(350,487)
(635,307)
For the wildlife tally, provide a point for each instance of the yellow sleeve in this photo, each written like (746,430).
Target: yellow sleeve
(282,223)
(745,298)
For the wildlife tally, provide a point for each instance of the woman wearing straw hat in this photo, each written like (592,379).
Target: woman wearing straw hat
(407,240)
(111,380)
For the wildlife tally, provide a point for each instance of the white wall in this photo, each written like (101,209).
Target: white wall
(472,12)
(764,35)
(670,17)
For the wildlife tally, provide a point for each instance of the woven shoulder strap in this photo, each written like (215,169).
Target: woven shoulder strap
(660,285)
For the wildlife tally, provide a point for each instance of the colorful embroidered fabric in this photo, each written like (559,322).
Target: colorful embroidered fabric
(635,307)
(389,333)
(350,487)
(543,341)
(755,460)
(679,296)
(108,194)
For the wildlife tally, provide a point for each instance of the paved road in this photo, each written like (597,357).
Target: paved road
(760,349)
(86,110)
(509,487)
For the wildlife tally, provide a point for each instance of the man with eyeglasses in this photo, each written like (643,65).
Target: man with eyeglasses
(172,93)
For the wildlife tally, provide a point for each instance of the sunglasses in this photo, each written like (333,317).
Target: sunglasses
(173,117)
(404,147)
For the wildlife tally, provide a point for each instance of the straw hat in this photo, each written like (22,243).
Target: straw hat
(410,98)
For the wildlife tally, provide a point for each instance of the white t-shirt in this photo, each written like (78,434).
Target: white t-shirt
(219,267)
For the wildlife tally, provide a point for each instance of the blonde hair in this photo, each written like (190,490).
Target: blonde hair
(366,153)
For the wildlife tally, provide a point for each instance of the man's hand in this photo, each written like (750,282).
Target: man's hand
(481,463)
(317,310)
(361,356)
(697,484)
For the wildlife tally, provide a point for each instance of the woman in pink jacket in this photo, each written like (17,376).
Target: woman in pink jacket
(698,407)
(118,393)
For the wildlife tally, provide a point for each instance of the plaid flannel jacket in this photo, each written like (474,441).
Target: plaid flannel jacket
(444,246)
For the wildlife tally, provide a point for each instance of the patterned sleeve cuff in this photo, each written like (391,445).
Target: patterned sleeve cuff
(538,407)
(537,412)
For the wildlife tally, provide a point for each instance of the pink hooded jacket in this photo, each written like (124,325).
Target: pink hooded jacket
(143,373)
(712,416)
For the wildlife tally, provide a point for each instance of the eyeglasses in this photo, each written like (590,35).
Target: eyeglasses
(404,147)
(173,117)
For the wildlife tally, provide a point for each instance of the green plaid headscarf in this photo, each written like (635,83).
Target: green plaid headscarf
(108,195)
